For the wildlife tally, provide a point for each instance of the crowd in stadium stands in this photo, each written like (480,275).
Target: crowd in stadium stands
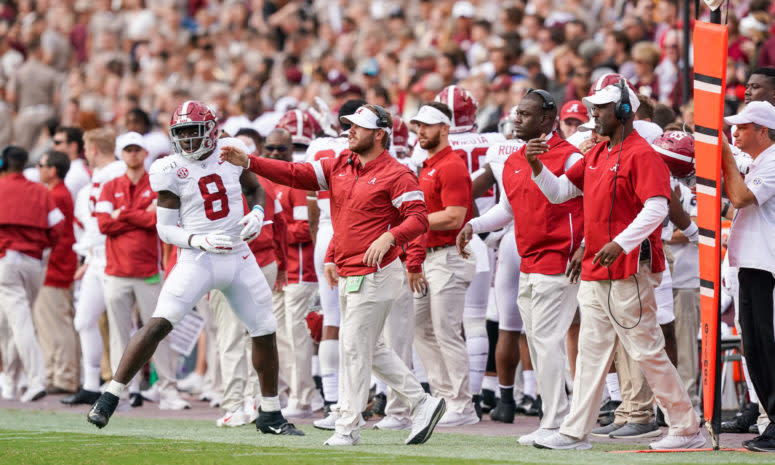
(487,317)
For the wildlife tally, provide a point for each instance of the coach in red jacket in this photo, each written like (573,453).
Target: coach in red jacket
(54,306)
(126,214)
(376,205)
(29,223)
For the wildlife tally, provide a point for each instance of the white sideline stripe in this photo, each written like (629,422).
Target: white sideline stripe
(707,190)
(707,87)
(706,292)
(704,138)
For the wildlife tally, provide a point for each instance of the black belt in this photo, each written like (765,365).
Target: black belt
(438,247)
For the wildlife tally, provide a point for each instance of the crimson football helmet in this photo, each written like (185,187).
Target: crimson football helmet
(609,79)
(463,107)
(400,137)
(192,113)
(677,150)
(302,126)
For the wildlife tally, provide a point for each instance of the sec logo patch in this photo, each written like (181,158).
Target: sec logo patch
(182,173)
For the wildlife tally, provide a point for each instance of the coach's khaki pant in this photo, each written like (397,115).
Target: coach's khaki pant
(686,303)
(637,398)
(547,304)
(643,342)
(53,315)
(294,344)
(20,279)
(398,334)
(438,330)
(363,349)
(235,349)
(121,295)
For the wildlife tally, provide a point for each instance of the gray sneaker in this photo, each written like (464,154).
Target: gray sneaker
(637,430)
(604,431)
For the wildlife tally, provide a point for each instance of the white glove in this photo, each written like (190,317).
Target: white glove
(215,242)
(252,222)
(322,114)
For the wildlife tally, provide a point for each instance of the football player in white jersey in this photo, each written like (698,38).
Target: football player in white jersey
(99,150)
(472,147)
(319,207)
(200,206)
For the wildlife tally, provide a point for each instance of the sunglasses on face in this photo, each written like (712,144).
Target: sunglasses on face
(276,148)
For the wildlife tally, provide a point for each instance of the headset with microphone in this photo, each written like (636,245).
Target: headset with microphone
(623,108)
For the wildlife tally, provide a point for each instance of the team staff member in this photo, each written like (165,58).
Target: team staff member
(29,223)
(54,306)
(547,300)
(626,187)
(370,193)
(126,214)
(438,340)
(751,251)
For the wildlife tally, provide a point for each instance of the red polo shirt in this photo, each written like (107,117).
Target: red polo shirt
(28,216)
(366,201)
(445,182)
(63,261)
(301,249)
(132,246)
(545,246)
(272,244)
(641,175)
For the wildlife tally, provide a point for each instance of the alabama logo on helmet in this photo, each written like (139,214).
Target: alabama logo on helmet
(302,126)
(677,150)
(463,107)
(188,114)
(400,136)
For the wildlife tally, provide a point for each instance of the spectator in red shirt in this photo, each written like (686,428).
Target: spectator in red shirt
(54,311)
(446,186)
(29,223)
(626,188)
(376,204)
(126,214)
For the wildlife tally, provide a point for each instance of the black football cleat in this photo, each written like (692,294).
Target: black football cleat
(135,399)
(275,423)
(81,397)
(102,410)
(503,412)
(380,402)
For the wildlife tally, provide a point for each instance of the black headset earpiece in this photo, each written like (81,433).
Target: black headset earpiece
(623,108)
(3,162)
(383,120)
(548,100)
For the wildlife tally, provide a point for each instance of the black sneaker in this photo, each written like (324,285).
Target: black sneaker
(488,400)
(763,443)
(477,400)
(275,423)
(524,404)
(135,399)
(504,412)
(607,420)
(535,409)
(102,409)
(81,397)
(754,429)
(609,407)
(743,420)
(380,402)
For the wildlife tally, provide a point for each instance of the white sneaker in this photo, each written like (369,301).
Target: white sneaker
(530,439)
(234,418)
(560,441)
(339,439)
(251,409)
(215,400)
(297,413)
(173,402)
(424,420)
(394,423)
(7,388)
(32,394)
(669,442)
(327,423)
(458,419)
(152,394)
(192,383)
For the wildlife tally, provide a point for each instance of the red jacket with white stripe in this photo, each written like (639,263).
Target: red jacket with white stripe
(301,249)
(366,201)
(272,244)
(29,219)
(132,247)
(63,261)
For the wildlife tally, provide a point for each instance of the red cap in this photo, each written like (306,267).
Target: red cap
(574,109)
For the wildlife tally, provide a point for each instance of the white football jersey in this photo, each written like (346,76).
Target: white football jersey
(92,239)
(209,190)
(320,149)
(497,155)
(473,144)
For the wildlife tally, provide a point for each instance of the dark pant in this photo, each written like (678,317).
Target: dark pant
(757,322)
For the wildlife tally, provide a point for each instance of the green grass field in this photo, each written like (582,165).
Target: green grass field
(38,438)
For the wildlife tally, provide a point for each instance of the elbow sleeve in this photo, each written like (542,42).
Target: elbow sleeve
(168,229)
